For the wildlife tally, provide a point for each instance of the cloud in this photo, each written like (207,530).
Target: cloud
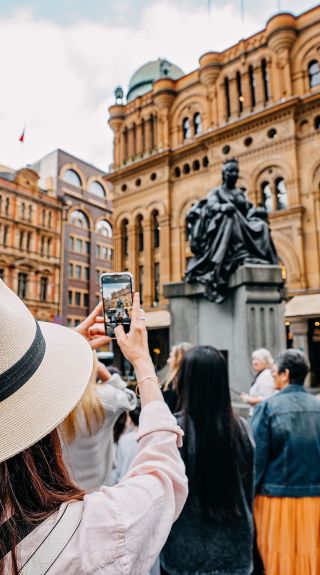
(59,80)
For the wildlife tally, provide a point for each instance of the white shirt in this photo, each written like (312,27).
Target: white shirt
(263,386)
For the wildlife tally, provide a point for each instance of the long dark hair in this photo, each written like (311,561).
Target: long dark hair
(33,484)
(204,397)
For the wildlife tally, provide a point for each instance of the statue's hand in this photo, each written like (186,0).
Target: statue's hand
(228,208)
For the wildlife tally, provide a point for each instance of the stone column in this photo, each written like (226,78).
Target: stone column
(123,146)
(245,83)
(165,256)
(148,264)
(147,132)
(284,62)
(132,231)
(259,87)
(139,150)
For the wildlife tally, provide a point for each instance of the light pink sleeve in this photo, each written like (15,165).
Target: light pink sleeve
(151,496)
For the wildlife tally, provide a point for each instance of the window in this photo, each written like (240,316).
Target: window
(111,255)
(205,161)
(43,218)
(70,297)
(125,144)
(156,282)
(156,230)
(5,235)
(265,81)
(153,176)
(42,246)
(125,237)
(48,247)
(271,133)
(239,90)
(104,252)
(196,165)
(86,273)
(98,249)
(77,298)
(29,241)
(97,189)
(49,219)
(143,136)
(123,187)
(79,245)
(248,141)
(73,178)
(22,211)
(226,149)
(134,140)
(78,272)
(70,270)
(43,288)
(21,241)
(197,124)
(71,243)
(177,172)
(79,219)
(77,322)
(30,213)
(140,234)
(7,207)
(314,73)
(186,169)
(104,228)
(282,196)
(317,123)
(86,300)
(69,322)
(87,247)
(141,276)
(227,97)
(252,86)
(138,182)
(152,132)
(22,285)
(186,128)
(266,196)
(97,276)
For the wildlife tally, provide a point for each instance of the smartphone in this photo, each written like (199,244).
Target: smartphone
(117,297)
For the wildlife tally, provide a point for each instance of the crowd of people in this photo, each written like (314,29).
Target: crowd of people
(95,480)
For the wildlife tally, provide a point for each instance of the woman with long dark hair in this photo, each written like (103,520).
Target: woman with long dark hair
(47,523)
(214,532)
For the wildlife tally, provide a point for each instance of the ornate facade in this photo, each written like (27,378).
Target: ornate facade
(30,230)
(258,101)
(86,230)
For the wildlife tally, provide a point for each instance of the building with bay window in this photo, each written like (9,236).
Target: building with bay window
(259,101)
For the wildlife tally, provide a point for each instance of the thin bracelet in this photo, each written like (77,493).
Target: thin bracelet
(152,377)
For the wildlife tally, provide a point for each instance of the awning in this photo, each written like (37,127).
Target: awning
(158,318)
(303,306)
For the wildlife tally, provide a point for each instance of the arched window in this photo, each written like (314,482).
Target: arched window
(239,90)
(152,132)
(227,97)
(317,123)
(23,210)
(125,144)
(252,87)
(197,123)
(143,136)
(97,189)
(140,234)
(186,169)
(79,219)
(314,73)
(265,80)
(73,178)
(205,161)
(196,165)
(125,237)
(134,140)
(104,228)
(156,229)
(266,196)
(282,195)
(186,131)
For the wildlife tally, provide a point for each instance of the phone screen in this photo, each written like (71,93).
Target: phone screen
(116,291)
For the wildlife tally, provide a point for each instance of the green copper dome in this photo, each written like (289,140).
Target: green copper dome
(143,79)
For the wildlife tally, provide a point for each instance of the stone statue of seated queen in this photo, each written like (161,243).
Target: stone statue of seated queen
(226,230)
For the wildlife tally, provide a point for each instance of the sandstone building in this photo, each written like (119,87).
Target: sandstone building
(86,230)
(258,101)
(30,231)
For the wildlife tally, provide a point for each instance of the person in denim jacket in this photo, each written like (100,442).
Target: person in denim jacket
(286,429)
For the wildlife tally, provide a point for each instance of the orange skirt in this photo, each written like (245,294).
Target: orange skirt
(288,534)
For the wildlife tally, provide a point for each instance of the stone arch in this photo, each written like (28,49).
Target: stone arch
(156,205)
(86,213)
(304,51)
(182,209)
(100,181)
(119,219)
(289,257)
(75,168)
(138,211)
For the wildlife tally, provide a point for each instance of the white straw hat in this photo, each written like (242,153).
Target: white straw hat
(44,370)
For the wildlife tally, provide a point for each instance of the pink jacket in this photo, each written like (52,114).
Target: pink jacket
(124,527)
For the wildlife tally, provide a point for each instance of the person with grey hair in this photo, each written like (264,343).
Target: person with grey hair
(263,384)
(286,429)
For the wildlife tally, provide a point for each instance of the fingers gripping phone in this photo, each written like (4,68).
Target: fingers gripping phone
(117,297)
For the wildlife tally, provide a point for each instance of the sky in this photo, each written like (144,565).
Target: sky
(61,61)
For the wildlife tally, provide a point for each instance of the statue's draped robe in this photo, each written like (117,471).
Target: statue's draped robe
(220,242)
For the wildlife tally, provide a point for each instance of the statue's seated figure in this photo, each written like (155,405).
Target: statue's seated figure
(226,230)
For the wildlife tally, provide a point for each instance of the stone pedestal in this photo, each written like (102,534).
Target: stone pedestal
(251,317)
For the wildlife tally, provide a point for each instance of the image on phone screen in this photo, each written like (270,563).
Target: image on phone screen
(117,301)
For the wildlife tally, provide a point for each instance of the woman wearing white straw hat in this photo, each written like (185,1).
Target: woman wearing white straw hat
(47,523)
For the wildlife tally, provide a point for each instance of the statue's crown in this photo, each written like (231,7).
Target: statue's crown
(230,161)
